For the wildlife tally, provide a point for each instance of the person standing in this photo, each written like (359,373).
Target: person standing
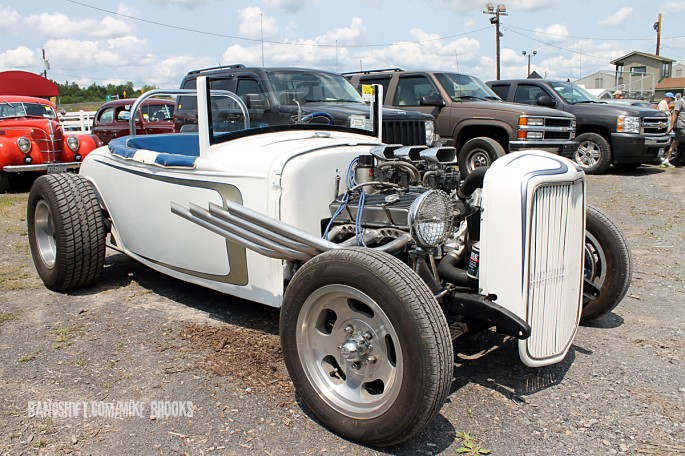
(677,125)
(664,104)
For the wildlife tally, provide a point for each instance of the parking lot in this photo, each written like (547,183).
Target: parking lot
(211,367)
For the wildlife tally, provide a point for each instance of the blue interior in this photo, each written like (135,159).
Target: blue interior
(175,149)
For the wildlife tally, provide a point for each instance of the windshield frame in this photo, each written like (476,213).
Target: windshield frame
(20,110)
(321,87)
(454,83)
(570,97)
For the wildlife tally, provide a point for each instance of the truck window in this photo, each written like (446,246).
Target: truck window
(410,89)
(251,93)
(528,94)
(502,90)
(380,80)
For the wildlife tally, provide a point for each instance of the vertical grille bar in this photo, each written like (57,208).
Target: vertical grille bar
(556,255)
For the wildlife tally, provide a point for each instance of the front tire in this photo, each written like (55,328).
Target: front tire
(66,231)
(366,345)
(593,154)
(477,153)
(608,264)
(4,182)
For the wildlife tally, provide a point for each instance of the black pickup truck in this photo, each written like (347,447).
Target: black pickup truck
(609,134)
(283,96)
(470,117)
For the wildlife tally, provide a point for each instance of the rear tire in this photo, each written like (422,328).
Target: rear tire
(66,231)
(366,345)
(477,153)
(593,154)
(608,264)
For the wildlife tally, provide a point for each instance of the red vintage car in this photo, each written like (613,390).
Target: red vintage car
(112,119)
(32,139)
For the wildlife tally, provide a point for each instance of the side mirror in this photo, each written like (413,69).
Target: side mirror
(432,100)
(547,101)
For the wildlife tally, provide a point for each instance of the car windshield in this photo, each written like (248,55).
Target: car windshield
(26,109)
(309,87)
(573,93)
(464,87)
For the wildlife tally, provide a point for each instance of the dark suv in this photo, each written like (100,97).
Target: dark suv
(279,96)
(623,135)
(470,117)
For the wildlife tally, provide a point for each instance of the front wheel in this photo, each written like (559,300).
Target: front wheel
(477,153)
(608,264)
(593,154)
(66,231)
(366,345)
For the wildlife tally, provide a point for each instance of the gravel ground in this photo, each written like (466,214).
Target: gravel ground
(138,338)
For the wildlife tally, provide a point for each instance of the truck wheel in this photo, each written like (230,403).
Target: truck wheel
(678,155)
(66,231)
(608,264)
(4,182)
(366,345)
(478,152)
(594,153)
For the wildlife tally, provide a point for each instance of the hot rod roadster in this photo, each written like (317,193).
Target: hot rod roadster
(366,247)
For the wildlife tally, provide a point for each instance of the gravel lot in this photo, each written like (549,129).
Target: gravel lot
(139,337)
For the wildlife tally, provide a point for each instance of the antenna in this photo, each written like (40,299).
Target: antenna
(456,56)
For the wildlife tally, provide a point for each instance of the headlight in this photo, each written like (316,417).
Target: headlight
(532,121)
(72,142)
(628,124)
(24,145)
(430,133)
(430,218)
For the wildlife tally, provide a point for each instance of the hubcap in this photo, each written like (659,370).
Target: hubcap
(477,159)
(45,234)
(595,261)
(349,351)
(588,154)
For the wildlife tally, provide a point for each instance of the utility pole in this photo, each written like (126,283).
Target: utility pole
(657,27)
(46,65)
(500,10)
(530,54)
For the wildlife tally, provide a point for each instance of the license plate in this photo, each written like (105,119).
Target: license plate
(54,168)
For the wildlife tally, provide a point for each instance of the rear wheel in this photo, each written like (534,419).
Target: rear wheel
(366,345)
(678,155)
(66,231)
(593,154)
(608,264)
(477,153)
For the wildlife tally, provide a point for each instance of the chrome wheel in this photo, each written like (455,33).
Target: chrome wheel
(45,234)
(477,159)
(350,351)
(588,154)
(595,260)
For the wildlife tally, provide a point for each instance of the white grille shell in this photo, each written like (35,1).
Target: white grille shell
(532,238)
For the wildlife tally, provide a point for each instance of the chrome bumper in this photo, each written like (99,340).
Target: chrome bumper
(41,167)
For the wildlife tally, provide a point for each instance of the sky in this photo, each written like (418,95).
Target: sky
(156,42)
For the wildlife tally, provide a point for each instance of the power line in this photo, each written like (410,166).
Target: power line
(255,40)
(592,38)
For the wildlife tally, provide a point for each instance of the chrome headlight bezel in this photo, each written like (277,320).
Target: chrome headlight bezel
(73,143)
(431,138)
(628,124)
(430,219)
(24,145)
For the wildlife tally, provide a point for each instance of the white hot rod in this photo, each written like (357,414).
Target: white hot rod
(369,249)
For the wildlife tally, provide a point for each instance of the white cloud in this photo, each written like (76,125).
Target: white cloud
(254,24)
(19,58)
(618,18)
(10,19)
(289,6)
(555,33)
(58,25)
(189,4)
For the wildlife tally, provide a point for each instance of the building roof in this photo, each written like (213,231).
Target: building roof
(671,83)
(25,83)
(643,54)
